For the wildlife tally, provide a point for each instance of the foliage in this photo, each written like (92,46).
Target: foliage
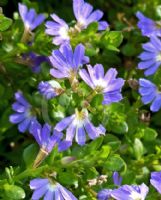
(132,143)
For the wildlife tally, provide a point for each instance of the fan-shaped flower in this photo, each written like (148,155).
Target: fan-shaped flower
(47,141)
(155,180)
(44,188)
(150,94)
(29,17)
(23,116)
(148,26)
(107,84)
(66,63)
(44,138)
(104,194)
(131,192)
(85,15)
(151,57)
(78,125)
(58,28)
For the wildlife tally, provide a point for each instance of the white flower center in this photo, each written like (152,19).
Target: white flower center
(51,187)
(80,118)
(135,196)
(82,21)
(100,83)
(64,33)
(158,57)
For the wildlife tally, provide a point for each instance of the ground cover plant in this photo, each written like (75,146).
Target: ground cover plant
(80,88)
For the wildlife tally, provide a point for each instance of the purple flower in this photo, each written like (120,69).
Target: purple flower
(150,94)
(23,116)
(132,192)
(58,28)
(85,16)
(148,26)
(66,62)
(151,57)
(44,138)
(107,84)
(117,179)
(36,62)
(156,180)
(29,17)
(47,190)
(104,194)
(78,125)
(50,89)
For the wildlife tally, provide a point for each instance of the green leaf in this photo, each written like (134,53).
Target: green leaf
(67,178)
(105,151)
(129,177)
(97,100)
(120,128)
(64,100)
(5,23)
(14,192)
(94,145)
(129,50)
(112,141)
(138,148)
(150,134)
(30,154)
(114,163)
(92,28)
(111,40)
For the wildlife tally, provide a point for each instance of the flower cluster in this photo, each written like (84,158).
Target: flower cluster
(130,192)
(84,15)
(68,65)
(150,61)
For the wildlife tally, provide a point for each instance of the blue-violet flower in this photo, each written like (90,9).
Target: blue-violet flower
(151,57)
(29,17)
(85,15)
(66,62)
(49,191)
(58,28)
(150,94)
(117,179)
(107,84)
(148,26)
(155,180)
(23,116)
(44,138)
(131,192)
(50,89)
(78,125)
(104,194)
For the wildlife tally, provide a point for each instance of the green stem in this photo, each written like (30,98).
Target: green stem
(30,172)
